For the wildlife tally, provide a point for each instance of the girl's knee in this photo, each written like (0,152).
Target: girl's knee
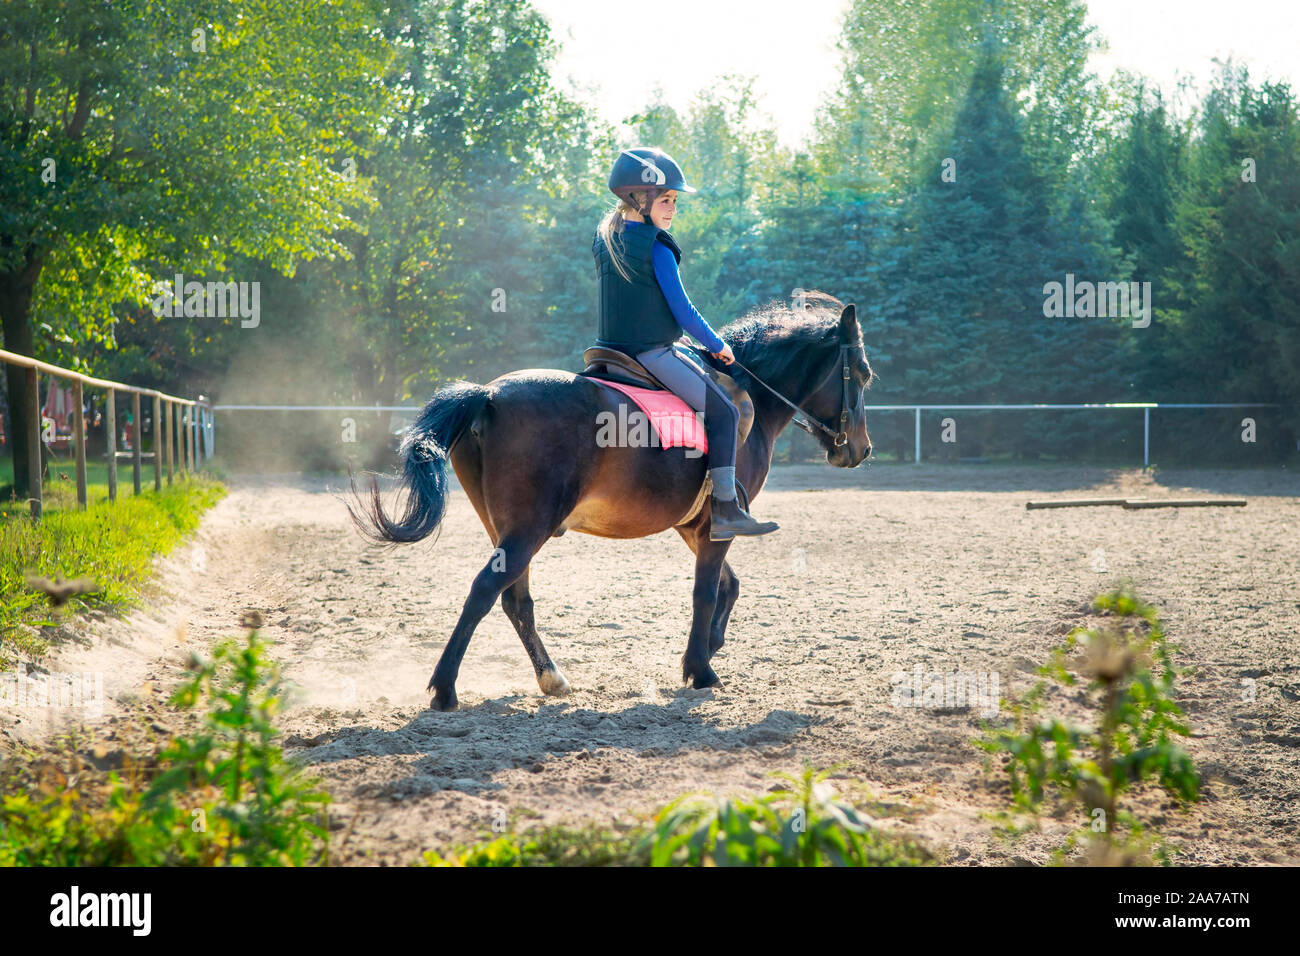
(719,403)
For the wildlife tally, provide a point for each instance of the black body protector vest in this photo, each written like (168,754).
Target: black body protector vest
(634,316)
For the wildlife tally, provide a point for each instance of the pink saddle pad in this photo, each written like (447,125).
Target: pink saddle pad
(675,422)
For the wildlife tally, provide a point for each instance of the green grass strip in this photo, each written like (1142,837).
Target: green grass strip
(112,543)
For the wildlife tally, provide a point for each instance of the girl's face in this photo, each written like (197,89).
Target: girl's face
(663,210)
(665,207)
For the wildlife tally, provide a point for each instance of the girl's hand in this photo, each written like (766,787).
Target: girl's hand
(725,356)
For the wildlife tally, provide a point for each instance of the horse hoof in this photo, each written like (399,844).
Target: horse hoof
(444,701)
(706,678)
(553,684)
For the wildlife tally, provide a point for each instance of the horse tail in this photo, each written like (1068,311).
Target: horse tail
(424,451)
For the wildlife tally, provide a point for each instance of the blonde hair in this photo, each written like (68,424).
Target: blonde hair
(612,225)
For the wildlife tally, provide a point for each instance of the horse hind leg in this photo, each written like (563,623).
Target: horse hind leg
(517,602)
(508,562)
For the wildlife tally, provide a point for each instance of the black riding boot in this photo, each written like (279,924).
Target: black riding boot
(727,519)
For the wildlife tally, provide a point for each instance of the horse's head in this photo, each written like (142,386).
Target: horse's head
(803,353)
(838,402)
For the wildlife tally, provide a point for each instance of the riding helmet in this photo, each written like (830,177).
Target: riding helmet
(648,168)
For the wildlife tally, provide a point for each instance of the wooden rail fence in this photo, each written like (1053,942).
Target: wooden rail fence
(176,423)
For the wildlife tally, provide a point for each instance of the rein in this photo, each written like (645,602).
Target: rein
(840,438)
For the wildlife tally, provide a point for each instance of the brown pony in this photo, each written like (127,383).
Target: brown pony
(525,450)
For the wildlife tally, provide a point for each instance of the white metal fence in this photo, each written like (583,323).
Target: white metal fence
(1146,408)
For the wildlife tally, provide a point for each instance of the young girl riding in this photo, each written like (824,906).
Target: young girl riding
(644,310)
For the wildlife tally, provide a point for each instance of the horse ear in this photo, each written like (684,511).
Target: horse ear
(849,322)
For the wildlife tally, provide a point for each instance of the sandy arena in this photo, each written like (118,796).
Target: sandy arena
(874,571)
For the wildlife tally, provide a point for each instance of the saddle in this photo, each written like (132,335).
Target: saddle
(615,366)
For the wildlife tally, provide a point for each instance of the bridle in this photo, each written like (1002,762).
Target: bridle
(840,438)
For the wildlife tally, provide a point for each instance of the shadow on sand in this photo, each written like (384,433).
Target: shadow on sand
(462,750)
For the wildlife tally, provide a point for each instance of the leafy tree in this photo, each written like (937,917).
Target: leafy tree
(1235,284)
(1143,175)
(152,132)
(468,158)
(962,315)
(906,69)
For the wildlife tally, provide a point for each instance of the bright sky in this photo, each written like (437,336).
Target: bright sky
(789,47)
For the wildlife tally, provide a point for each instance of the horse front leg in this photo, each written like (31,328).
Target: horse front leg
(709,558)
(508,563)
(728,591)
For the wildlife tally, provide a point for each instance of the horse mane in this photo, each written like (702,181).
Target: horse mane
(799,331)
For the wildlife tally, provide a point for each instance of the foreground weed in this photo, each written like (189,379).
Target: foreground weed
(1127,672)
(805,824)
(221,796)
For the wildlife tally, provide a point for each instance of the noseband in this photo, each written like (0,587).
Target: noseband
(839,438)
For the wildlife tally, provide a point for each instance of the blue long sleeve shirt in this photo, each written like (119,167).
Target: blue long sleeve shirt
(670,281)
